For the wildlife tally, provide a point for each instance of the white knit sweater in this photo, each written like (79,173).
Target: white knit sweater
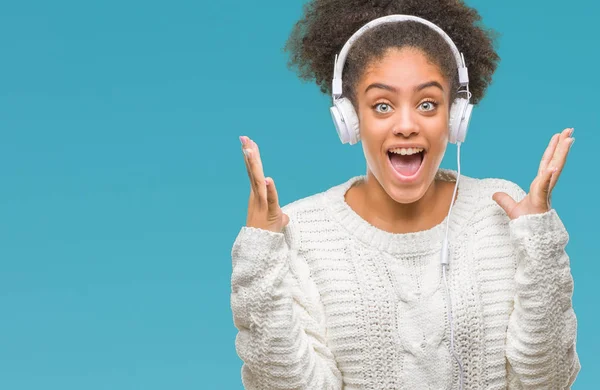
(335,303)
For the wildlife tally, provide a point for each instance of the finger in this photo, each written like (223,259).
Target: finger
(247,164)
(257,153)
(247,152)
(256,167)
(542,191)
(566,133)
(505,201)
(286,220)
(272,198)
(561,158)
(548,154)
(244,141)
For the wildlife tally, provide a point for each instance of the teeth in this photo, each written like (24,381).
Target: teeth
(406,151)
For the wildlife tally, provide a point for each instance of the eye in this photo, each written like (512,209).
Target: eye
(386,108)
(429,105)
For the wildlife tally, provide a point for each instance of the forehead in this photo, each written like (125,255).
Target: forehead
(404,68)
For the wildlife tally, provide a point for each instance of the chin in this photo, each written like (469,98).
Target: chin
(406,195)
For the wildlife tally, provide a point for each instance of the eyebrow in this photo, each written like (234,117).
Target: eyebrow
(416,89)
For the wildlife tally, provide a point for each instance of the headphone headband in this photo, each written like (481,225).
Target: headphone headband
(463,76)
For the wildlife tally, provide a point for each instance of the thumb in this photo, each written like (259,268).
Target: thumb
(505,201)
(286,220)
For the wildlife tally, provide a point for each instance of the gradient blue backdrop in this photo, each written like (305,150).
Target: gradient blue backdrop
(123,185)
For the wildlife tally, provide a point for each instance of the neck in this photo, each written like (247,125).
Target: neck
(372,203)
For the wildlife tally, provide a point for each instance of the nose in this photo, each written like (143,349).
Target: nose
(405,124)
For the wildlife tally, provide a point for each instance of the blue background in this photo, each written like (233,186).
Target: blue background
(123,185)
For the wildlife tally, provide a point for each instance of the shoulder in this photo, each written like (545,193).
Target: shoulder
(303,204)
(297,209)
(484,210)
(318,200)
(477,192)
(309,213)
(487,187)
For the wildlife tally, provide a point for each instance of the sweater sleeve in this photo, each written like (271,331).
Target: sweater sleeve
(279,316)
(542,328)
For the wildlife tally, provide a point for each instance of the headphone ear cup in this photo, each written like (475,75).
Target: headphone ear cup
(340,125)
(460,116)
(464,124)
(345,121)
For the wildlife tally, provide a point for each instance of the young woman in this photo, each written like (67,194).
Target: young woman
(410,276)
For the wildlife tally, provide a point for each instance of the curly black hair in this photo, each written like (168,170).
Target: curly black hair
(327,24)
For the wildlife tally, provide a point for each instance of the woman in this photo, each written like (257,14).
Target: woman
(374,284)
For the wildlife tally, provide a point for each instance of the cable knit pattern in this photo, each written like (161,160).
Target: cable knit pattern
(332,302)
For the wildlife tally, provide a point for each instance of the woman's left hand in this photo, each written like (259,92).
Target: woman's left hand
(537,201)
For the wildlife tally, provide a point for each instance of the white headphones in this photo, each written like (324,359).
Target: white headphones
(342,111)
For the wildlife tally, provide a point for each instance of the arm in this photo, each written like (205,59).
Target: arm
(540,343)
(542,329)
(279,316)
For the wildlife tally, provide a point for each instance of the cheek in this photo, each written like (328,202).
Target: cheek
(371,145)
(439,144)
(439,130)
(373,135)
(372,127)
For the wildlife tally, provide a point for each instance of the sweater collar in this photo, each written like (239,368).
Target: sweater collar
(421,242)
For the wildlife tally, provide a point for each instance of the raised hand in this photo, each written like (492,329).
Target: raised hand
(538,200)
(263,206)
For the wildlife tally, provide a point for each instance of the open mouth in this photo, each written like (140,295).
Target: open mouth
(408,164)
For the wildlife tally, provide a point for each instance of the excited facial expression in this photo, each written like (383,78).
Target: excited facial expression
(403,111)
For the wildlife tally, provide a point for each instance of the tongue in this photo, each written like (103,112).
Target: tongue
(406,165)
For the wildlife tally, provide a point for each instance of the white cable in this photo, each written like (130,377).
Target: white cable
(454,193)
(444,266)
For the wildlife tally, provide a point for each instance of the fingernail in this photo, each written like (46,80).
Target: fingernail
(242,140)
(572,142)
(571,131)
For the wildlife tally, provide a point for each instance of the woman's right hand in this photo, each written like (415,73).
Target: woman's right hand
(263,206)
